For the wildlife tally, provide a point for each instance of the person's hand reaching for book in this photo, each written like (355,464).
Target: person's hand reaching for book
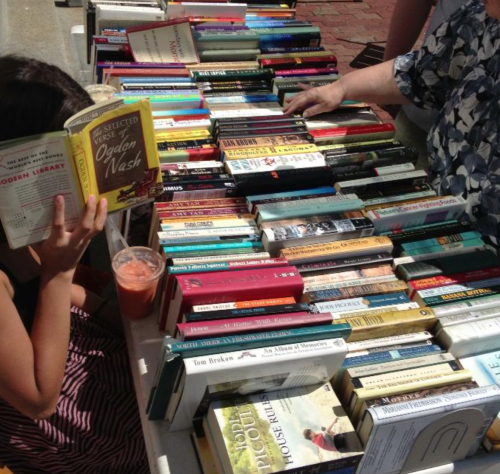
(315,100)
(62,251)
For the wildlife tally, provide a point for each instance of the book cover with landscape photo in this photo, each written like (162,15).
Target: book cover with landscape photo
(284,430)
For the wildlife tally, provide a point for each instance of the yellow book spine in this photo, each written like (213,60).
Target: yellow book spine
(389,324)
(259,152)
(425,382)
(340,247)
(179,136)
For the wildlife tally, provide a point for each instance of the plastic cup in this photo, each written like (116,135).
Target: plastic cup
(137,280)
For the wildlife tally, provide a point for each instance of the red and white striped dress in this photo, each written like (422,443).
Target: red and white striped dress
(96,428)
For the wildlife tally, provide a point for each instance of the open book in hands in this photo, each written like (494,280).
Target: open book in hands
(107,150)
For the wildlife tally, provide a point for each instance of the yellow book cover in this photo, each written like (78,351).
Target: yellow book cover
(178,136)
(389,324)
(340,248)
(106,150)
(259,152)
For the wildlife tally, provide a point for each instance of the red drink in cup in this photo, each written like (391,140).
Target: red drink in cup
(137,272)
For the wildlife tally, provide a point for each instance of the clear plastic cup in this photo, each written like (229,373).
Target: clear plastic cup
(137,280)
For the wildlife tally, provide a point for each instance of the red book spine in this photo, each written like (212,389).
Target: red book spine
(229,327)
(168,283)
(243,285)
(147,72)
(203,212)
(456,278)
(353,130)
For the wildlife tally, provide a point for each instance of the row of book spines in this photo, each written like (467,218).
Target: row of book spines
(352,328)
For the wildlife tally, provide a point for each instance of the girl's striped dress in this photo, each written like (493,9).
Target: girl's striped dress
(96,428)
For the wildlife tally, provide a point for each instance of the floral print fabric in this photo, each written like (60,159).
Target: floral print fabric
(456,72)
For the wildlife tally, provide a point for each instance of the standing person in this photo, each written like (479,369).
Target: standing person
(407,22)
(67,404)
(457,72)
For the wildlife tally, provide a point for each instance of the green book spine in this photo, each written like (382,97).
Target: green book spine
(264,339)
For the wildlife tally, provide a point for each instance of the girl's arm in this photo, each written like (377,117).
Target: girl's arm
(32,367)
(375,84)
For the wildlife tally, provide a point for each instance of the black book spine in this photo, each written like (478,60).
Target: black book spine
(445,228)
(265,132)
(343,263)
(195,179)
(184,144)
(359,148)
(243,312)
(283,180)
(396,155)
(393,189)
(190,172)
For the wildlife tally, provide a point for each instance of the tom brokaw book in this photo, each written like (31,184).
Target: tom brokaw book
(300,430)
(107,150)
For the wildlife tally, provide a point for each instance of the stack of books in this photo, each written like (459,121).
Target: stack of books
(321,300)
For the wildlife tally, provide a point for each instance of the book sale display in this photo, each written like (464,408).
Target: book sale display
(322,309)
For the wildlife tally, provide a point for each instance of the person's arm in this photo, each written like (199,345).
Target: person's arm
(407,22)
(328,430)
(375,84)
(32,368)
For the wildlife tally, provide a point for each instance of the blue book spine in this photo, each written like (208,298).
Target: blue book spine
(264,339)
(437,241)
(245,99)
(194,248)
(304,49)
(388,356)
(153,80)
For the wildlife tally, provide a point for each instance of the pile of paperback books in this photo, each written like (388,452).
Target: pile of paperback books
(325,310)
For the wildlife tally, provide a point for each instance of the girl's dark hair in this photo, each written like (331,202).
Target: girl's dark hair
(36,97)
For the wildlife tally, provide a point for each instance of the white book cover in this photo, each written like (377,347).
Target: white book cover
(464,306)
(306,202)
(164,235)
(383,179)
(285,162)
(350,283)
(256,112)
(171,124)
(464,340)
(420,434)
(191,165)
(255,370)
(220,258)
(166,42)
(354,347)
(469,316)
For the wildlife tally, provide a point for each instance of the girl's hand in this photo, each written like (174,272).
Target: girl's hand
(62,251)
(316,100)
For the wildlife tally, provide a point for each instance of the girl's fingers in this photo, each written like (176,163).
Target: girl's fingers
(100,220)
(58,217)
(87,221)
(299,102)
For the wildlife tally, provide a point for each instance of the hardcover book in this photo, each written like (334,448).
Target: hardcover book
(425,429)
(245,372)
(294,430)
(107,150)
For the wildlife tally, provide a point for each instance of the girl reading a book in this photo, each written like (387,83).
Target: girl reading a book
(457,74)
(67,404)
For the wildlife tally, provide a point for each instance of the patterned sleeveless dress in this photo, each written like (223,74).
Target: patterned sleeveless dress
(96,428)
